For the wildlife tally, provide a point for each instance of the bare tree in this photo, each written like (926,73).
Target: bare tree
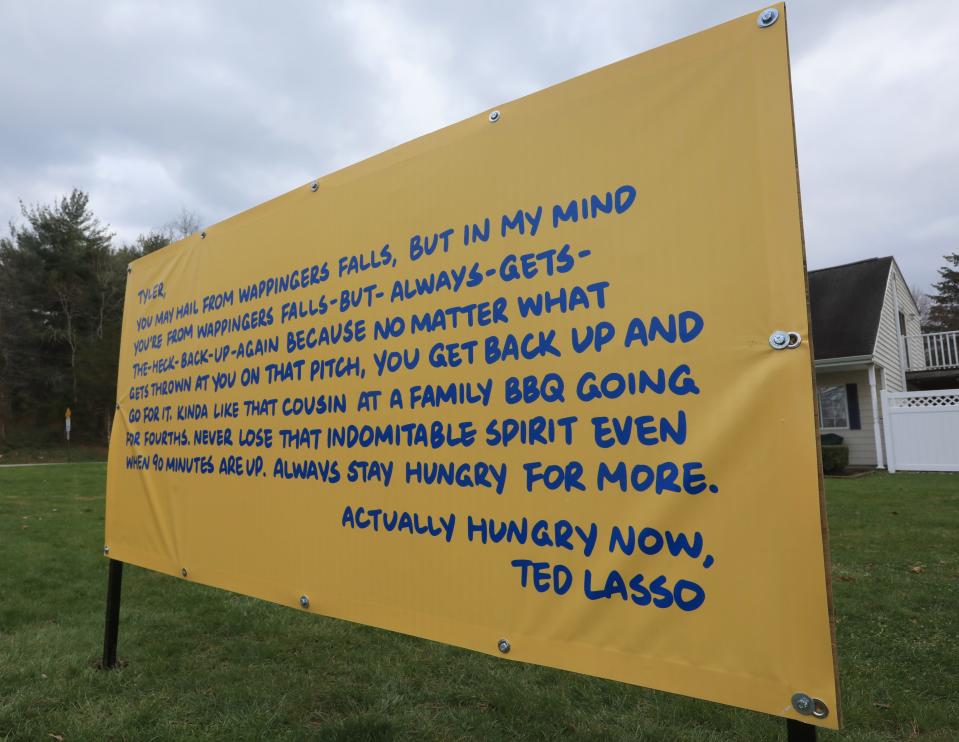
(183,225)
(68,332)
(923,301)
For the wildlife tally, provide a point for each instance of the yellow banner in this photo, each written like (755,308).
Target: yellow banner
(510,386)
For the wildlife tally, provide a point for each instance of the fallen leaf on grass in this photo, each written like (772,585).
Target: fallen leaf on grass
(881,705)
(917,569)
(846,578)
(57,737)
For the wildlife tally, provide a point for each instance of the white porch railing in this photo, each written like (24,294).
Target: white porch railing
(932,350)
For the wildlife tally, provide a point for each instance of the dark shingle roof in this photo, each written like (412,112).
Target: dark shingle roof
(846,302)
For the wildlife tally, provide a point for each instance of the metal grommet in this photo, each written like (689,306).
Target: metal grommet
(503,646)
(304,602)
(783,340)
(106,549)
(493,116)
(767,18)
(819,709)
(202,235)
(183,572)
(314,186)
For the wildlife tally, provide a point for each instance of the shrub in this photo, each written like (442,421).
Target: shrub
(834,459)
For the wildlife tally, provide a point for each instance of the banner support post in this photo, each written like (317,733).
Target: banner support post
(112,624)
(800,731)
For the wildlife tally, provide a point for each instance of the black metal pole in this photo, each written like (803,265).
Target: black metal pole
(800,731)
(112,624)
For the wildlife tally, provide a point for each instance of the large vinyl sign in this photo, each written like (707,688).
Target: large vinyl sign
(510,386)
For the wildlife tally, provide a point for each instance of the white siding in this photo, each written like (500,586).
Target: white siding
(888,347)
(862,442)
(917,355)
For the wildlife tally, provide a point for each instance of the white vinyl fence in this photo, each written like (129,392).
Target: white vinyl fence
(922,430)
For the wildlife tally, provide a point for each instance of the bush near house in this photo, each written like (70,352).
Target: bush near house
(835,459)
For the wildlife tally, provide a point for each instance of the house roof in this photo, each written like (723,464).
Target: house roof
(846,303)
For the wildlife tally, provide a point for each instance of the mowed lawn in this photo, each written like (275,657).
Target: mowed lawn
(201,663)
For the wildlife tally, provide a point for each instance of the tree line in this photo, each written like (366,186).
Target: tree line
(944,304)
(62,284)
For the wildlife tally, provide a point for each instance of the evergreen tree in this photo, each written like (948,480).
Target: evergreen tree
(61,309)
(61,301)
(944,313)
(147,243)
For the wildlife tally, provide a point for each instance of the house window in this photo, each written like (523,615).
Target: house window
(904,341)
(833,407)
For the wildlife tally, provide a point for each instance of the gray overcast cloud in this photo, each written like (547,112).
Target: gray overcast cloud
(152,107)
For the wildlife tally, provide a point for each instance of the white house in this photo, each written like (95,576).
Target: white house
(867,337)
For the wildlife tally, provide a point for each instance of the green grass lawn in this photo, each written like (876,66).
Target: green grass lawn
(201,663)
(60,454)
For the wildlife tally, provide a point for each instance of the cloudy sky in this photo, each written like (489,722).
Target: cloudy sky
(153,107)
